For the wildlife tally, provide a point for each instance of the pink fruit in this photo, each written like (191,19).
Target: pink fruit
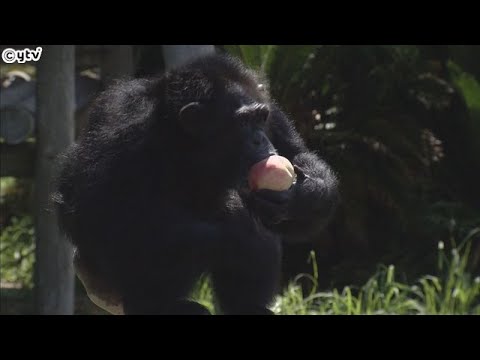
(273,173)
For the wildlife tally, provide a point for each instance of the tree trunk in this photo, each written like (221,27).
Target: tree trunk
(176,55)
(55,131)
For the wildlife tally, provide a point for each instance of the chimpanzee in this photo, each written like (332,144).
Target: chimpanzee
(157,191)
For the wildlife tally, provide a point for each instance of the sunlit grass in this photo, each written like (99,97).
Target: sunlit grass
(203,294)
(452,291)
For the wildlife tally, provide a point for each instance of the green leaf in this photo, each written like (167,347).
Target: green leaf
(254,56)
(469,87)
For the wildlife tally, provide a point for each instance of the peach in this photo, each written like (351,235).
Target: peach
(273,173)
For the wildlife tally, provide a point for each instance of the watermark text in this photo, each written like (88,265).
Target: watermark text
(10,55)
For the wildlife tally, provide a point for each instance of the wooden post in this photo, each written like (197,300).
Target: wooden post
(176,55)
(55,131)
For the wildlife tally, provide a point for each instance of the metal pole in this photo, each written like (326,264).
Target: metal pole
(55,131)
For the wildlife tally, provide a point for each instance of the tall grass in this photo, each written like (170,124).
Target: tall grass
(452,291)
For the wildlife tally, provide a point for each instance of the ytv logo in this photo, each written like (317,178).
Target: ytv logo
(10,55)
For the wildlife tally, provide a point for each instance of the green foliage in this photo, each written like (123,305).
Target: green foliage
(399,125)
(203,294)
(380,295)
(256,57)
(469,86)
(470,89)
(276,62)
(16,232)
(17,252)
(15,198)
(467,57)
(453,291)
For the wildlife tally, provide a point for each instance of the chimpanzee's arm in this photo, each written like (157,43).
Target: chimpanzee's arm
(301,212)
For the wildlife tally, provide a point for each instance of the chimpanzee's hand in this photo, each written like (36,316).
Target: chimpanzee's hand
(274,207)
(270,206)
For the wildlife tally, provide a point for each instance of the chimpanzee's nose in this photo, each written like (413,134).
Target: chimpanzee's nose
(259,138)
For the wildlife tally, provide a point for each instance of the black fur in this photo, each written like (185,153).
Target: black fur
(152,194)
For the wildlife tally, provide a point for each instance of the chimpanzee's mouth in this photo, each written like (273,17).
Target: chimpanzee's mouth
(257,159)
(244,184)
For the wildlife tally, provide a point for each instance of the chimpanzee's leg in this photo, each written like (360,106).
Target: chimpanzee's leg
(247,271)
(169,271)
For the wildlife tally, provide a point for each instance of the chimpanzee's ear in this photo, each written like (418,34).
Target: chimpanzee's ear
(191,116)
